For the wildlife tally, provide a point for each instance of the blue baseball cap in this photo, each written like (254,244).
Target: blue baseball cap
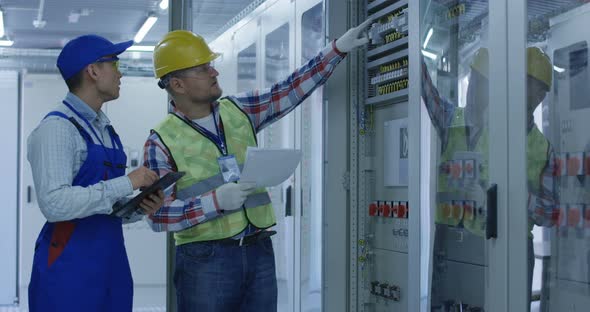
(85,50)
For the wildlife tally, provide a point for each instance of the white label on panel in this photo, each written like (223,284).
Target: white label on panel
(395,148)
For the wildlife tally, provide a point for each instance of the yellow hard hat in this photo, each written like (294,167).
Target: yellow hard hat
(180,49)
(539,66)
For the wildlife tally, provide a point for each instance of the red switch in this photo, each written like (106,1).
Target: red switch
(373,209)
(559,165)
(574,216)
(386,210)
(574,164)
(457,169)
(394,209)
(402,211)
(561,217)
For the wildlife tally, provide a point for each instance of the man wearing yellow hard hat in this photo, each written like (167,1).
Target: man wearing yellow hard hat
(464,140)
(224,255)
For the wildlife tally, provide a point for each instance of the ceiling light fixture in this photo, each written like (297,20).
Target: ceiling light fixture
(164,4)
(429,55)
(145,28)
(6,43)
(1,23)
(558,69)
(428,36)
(141,48)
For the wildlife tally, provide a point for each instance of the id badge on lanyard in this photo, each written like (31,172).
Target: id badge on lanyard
(228,165)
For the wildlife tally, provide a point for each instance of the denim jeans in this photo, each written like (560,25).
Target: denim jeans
(212,277)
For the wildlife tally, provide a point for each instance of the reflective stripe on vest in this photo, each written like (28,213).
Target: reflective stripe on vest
(196,155)
(202,187)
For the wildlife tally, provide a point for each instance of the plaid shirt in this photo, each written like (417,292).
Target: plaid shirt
(263,108)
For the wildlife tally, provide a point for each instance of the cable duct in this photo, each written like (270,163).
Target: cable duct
(43,61)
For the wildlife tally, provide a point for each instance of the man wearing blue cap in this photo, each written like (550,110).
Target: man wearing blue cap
(78,166)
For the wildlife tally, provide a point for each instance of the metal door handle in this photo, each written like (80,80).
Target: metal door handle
(492,213)
(288,199)
(29,193)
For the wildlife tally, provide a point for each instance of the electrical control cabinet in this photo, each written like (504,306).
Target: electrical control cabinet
(382,247)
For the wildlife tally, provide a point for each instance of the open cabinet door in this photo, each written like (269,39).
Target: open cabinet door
(463,148)
(277,55)
(308,191)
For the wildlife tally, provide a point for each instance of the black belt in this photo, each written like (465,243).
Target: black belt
(246,240)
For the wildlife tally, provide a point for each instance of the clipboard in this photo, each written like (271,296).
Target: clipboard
(131,206)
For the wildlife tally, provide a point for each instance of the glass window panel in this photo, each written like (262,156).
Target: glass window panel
(279,135)
(558,155)
(312,41)
(247,69)
(455,94)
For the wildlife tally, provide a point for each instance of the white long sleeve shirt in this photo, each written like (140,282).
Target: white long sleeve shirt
(56,152)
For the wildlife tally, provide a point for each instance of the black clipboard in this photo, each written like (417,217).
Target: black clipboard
(163,183)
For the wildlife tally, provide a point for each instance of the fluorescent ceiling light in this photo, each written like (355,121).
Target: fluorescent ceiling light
(429,54)
(558,69)
(141,48)
(428,36)
(6,43)
(1,23)
(164,4)
(147,25)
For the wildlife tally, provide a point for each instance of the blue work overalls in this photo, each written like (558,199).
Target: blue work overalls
(81,265)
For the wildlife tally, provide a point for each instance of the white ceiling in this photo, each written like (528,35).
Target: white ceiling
(117,20)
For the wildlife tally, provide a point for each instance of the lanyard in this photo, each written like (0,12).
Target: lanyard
(217,138)
(92,129)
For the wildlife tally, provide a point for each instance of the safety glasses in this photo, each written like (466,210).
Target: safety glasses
(113,60)
(200,72)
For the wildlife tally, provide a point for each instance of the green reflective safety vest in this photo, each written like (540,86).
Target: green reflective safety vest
(537,157)
(463,172)
(196,155)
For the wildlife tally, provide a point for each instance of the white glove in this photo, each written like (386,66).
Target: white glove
(231,196)
(350,40)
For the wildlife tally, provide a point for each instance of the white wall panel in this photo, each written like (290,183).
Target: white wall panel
(140,107)
(8,185)
(40,94)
